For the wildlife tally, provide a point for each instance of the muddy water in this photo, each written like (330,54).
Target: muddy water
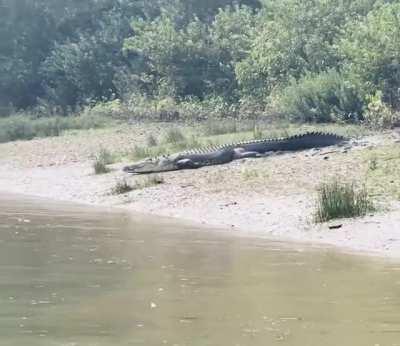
(70,275)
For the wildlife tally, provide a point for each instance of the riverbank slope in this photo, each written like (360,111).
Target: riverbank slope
(269,197)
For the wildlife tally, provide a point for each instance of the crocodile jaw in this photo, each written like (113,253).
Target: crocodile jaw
(151,166)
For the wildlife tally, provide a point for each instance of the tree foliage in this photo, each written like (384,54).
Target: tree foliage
(194,60)
(321,59)
(296,37)
(371,47)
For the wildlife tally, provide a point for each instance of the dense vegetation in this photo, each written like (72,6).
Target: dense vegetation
(314,60)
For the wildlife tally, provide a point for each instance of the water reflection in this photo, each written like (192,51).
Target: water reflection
(72,275)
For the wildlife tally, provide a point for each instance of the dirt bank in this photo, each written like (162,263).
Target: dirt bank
(269,197)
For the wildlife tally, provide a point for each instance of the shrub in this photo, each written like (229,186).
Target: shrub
(324,97)
(113,109)
(340,200)
(189,109)
(378,114)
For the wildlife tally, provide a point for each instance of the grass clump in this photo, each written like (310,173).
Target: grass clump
(102,159)
(121,187)
(148,181)
(100,167)
(106,156)
(341,200)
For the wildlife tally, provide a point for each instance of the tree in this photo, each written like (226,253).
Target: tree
(194,60)
(26,35)
(82,69)
(371,48)
(295,37)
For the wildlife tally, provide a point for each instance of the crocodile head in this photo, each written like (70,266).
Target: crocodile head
(161,164)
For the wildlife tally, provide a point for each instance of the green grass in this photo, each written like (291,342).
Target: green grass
(219,127)
(151,141)
(25,127)
(141,152)
(382,166)
(341,200)
(174,136)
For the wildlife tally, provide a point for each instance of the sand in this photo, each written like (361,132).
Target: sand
(271,197)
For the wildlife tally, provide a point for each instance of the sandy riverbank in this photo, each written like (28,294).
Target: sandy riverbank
(270,197)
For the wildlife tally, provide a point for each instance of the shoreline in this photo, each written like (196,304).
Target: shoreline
(316,241)
(271,198)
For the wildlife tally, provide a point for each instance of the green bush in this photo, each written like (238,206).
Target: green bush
(109,109)
(325,97)
(379,115)
(294,37)
(189,109)
(341,200)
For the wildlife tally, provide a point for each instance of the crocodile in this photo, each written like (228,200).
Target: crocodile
(217,155)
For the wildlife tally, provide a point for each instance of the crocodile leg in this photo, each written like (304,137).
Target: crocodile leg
(240,153)
(187,164)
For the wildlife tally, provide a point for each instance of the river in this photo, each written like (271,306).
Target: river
(73,275)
